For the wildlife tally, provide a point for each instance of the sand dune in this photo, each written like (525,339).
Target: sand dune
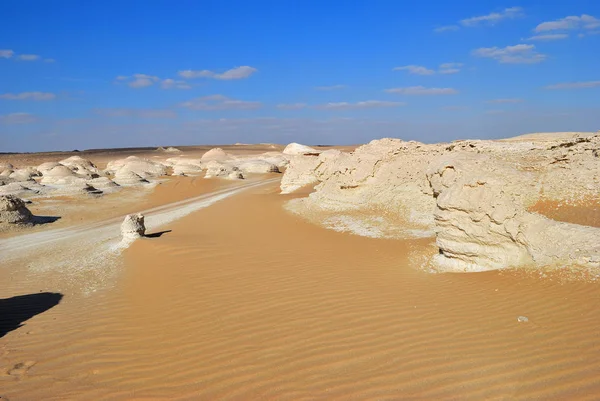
(243,300)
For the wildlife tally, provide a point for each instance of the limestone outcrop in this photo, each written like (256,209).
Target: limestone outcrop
(296,149)
(133,226)
(143,167)
(216,154)
(14,211)
(185,166)
(215,169)
(257,166)
(473,195)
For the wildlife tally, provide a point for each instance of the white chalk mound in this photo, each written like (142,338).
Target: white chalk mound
(215,169)
(295,149)
(257,166)
(14,211)
(217,154)
(133,226)
(143,167)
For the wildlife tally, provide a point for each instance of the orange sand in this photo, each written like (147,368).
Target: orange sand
(245,301)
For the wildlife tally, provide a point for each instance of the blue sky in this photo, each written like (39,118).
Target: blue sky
(146,73)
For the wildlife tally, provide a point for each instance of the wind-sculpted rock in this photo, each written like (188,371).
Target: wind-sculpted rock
(126,177)
(184,166)
(296,149)
(24,174)
(256,166)
(474,195)
(217,154)
(133,226)
(44,167)
(14,211)
(143,167)
(215,169)
(80,165)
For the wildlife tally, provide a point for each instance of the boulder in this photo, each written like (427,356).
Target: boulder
(14,211)
(133,226)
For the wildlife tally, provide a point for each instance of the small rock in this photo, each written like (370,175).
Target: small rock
(133,226)
(522,319)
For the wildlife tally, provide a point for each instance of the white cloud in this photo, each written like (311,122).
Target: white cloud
(368,104)
(6,53)
(330,88)
(451,65)
(518,54)
(421,90)
(508,100)
(142,80)
(234,73)
(446,28)
(575,85)
(553,36)
(291,106)
(28,96)
(140,113)
(28,57)
(493,18)
(455,108)
(49,60)
(17,118)
(584,22)
(173,84)
(219,102)
(415,69)
(450,71)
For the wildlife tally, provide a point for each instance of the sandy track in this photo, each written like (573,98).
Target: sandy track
(57,243)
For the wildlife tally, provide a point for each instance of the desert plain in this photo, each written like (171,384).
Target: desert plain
(393,270)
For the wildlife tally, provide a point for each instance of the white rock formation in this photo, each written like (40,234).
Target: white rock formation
(215,169)
(126,177)
(143,167)
(24,174)
(14,211)
(473,194)
(296,149)
(217,154)
(185,166)
(80,165)
(257,166)
(44,167)
(133,226)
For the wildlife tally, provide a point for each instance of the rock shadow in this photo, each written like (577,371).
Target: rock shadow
(16,310)
(157,234)
(38,220)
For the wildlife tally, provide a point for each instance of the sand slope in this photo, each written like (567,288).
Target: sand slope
(245,301)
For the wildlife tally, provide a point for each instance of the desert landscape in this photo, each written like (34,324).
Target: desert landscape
(390,270)
(299,200)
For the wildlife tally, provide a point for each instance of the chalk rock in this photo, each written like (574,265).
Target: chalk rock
(257,166)
(6,166)
(133,226)
(79,165)
(217,154)
(143,167)
(126,177)
(24,174)
(295,149)
(184,166)
(215,169)
(7,172)
(14,211)
(44,167)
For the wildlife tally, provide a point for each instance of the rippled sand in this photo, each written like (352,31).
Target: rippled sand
(243,300)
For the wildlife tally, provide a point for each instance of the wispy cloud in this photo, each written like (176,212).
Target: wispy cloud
(174,84)
(507,100)
(139,113)
(455,108)
(234,73)
(219,102)
(518,54)
(548,37)
(330,88)
(583,22)
(421,90)
(6,53)
(493,18)
(445,68)
(28,57)
(144,80)
(17,118)
(368,104)
(446,28)
(415,69)
(575,85)
(291,106)
(28,96)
